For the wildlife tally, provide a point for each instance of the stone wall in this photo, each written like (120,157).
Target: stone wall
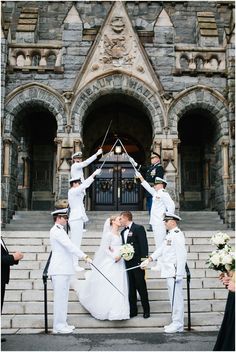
(186,54)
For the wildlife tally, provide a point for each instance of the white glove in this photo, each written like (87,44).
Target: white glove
(137,174)
(132,161)
(99,152)
(144,264)
(88,260)
(97,172)
(178,278)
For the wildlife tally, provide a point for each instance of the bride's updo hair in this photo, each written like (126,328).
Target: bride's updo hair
(113,218)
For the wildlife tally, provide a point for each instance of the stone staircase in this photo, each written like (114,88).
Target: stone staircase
(23,307)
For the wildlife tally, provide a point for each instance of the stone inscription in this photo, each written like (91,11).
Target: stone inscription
(116,82)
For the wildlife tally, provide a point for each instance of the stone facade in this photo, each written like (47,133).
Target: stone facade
(173,61)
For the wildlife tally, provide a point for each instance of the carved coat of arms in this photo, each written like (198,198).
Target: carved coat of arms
(116,47)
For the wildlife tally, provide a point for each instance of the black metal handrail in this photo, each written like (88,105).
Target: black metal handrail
(188,295)
(45,278)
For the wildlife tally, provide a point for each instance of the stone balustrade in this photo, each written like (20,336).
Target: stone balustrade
(190,59)
(40,57)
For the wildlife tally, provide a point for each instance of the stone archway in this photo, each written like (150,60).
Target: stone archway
(26,108)
(202,113)
(31,94)
(137,94)
(199,97)
(118,83)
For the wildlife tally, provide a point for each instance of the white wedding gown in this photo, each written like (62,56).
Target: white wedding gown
(96,294)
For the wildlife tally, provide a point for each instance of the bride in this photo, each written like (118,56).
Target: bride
(97,295)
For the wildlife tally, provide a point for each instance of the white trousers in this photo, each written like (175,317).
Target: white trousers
(178,306)
(61,285)
(159,233)
(76,231)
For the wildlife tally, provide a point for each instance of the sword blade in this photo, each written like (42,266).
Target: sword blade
(106,134)
(133,267)
(107,279)
(127,153)
(108,154)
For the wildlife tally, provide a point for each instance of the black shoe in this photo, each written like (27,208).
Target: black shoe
(133,315)
(149,228)
(146,315)
(3,339)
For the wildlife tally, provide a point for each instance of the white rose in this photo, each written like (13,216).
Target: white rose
(227,259)
(215,259)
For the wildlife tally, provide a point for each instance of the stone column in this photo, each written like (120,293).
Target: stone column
(225,157)
(58,142)
(206,180)
(175,152)
(26,180)
(78,145)
(156,146)
(6,165)
(170,175)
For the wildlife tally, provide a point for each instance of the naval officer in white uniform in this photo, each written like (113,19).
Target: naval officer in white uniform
(76,171)
(77,215)
(172,256)
(161,203)
(61,269)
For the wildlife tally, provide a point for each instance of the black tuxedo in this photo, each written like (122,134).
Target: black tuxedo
(6,261)
(137,237)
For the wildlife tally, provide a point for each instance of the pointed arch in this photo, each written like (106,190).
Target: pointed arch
(121,84)
(32,94)
(199,97)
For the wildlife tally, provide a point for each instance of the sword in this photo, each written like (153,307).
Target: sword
(107,279)
(108,154)
(127,153)
(133,267)
(106,134)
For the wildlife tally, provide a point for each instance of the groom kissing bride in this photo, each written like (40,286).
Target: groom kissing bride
(136,236)
(98,294)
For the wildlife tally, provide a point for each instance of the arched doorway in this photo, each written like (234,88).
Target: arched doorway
(197,132)
(116,188)
(34,128)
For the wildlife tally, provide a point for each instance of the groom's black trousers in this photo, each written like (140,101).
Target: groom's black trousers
(137,282)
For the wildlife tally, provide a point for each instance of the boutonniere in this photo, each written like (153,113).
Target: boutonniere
(130,233)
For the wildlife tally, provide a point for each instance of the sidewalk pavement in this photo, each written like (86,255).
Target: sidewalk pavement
(186,341)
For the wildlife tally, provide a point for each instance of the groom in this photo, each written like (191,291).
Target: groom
(136,236)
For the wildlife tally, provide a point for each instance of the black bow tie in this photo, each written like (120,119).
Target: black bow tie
(126,228)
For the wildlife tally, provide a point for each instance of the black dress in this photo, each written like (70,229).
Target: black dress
(226,336)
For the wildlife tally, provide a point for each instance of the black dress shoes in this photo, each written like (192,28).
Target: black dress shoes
(146,315)
(149,228)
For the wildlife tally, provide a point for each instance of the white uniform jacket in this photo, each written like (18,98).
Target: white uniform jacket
(161,203)
(172,254)
(75,199)
(63,251)
(76,170)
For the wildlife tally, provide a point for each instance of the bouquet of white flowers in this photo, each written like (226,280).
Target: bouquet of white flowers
(220,239)
(127,251)
(222,259)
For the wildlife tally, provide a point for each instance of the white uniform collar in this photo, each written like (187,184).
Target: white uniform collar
(61,226)
(174,229)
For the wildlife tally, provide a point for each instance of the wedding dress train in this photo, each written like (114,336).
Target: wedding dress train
(95,293)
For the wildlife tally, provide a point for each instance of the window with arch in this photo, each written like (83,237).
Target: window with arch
(20,59)
(214,63)
(184,62)
(199,61)
(36,57)
(51,59)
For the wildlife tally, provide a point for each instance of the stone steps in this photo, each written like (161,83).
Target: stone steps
(42,220)
(23,307)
